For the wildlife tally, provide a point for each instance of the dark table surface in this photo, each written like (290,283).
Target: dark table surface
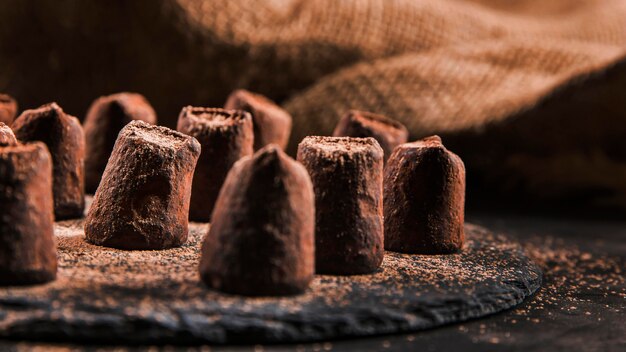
(580,306)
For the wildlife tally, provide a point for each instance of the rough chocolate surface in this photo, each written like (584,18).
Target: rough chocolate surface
(105,118)
(261,240)
(387,132)
(63,135)
(272,124)
(27,251)
(7,137)
(347,175)
(225,137)
(8,108)
(424,204)
(143,199)
(112,296)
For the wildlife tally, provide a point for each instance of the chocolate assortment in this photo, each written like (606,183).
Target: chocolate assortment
(27,249)
(63,135)
(225,136)
(387,132)
(8,109)
(347,175)
(105,118)
(272,124)
(424,199)
(261,240)
(143,199)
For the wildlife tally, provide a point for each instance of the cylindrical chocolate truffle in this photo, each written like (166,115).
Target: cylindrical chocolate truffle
(387,132)
(6,135)
(105,118)
(261,239)
(143,199)
(63,135)
(27,250)
(272,124)
(225,136)
(347,176)
(424,199)
(8,109)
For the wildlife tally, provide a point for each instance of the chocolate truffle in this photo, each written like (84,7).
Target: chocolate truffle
(261,239)
(6,135)
(387,132)
(272,124)
(105,118)
(143,199)
(27,250)
(424,199)
(63,135)
(225,136)
(347,176)
(8,109)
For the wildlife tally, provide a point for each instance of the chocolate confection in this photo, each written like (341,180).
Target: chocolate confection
(8,108)
(347,176)
(6,135)
(424,199)
(63,135)
(143,199)
(272,124)
(105,118)
(261,238)
(387,132)
(27,250)
(225,136)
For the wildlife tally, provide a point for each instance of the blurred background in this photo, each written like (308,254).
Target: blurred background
(530,93)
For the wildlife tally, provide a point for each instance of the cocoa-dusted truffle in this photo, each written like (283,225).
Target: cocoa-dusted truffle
(105,118)
(424,199)
(387,132)
(143,199)
(225,136)
(347,176)
(8,109)
(261,238)
(27,250)
(272,124)
(63,135)
(6,135)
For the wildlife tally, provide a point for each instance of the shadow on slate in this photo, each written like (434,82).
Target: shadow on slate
(104,295)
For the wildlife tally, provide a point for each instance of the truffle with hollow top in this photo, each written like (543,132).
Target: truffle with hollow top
(27,249)
(105,118)
(387,132)
(424,199)
(347,176)
(6,136)
(143,199)
(225,136)
(272,124)
(63,135)
(261,239)
(8,108)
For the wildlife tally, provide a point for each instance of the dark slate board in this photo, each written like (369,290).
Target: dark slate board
(105,295)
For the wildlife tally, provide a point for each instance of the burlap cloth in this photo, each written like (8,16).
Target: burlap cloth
(531,93)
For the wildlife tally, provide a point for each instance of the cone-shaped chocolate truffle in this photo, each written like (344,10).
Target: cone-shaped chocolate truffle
(143,199)
(424,199)
(6,135)
(105,118)
(347,176)
(225,136)
(63,135)
(27,250)
(272,124)
(261,238)
(387,132)
(8,109)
